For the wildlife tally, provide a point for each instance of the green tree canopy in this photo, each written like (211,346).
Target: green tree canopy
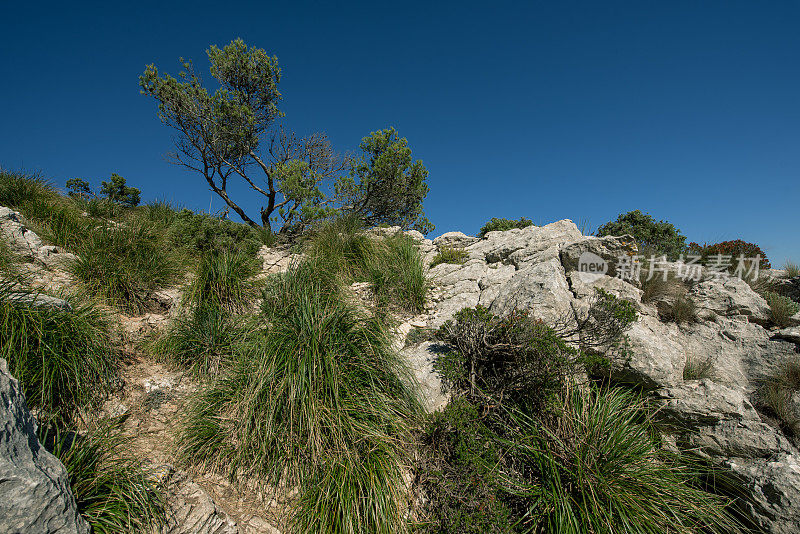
(654,237)
(79,188)
(232,134)
(385,184)
(116,190)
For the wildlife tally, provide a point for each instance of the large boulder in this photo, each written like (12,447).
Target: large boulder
(455,240)
(730,296)
(26,243)
(773,488)
(522,246)
(35,494)
(615,251)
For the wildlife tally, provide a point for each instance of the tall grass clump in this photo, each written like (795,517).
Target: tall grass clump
(318,401)
(342,249)
(19,190)
(224,279)
(398,277)
(600,469)
(125,265)
(203,341)
(204,338)
(115,492)
(776,395)
(791,270)
(344,252)
(781,308)
(63,359)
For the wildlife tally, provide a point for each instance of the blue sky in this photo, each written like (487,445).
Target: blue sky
(581,110)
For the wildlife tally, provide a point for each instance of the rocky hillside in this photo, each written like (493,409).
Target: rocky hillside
(707,370)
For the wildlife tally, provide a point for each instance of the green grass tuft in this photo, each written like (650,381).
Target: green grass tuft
(202,342)
(125,265)
(63,359)
(791,270)
(224,279)
(398,277)
(18,190)
(450,255)
(781,307)
(115,492)
(318,392)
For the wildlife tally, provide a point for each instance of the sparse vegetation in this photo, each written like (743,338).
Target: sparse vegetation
(115,493)
(501,225)
(681,310)
(657,287)
(450,255)
(9,261)
(781,308)
(63,359)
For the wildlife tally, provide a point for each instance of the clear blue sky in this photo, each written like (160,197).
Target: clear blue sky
(581,110)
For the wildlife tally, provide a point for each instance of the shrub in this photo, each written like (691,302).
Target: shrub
(597,468)
(461,474)
(501,225)
(781,308)
(317,401)
(224,280)
(450,255)
(601,325)
(124,264)
(63,359)
(655,238)
(734,249)
(514,356)
(199,232)
(115,492)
